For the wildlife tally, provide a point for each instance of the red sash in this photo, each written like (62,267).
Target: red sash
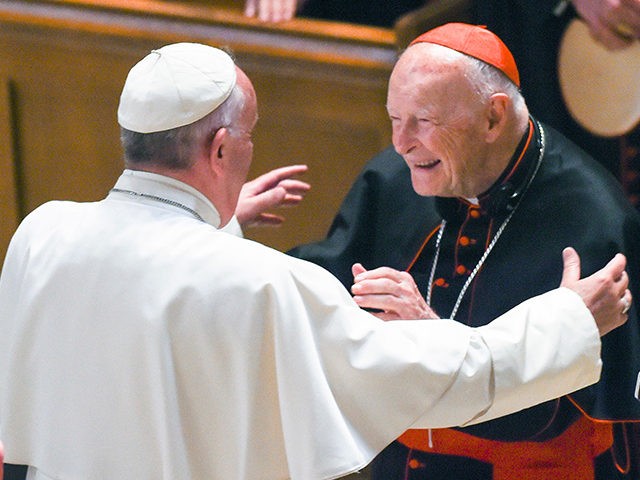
(568,456)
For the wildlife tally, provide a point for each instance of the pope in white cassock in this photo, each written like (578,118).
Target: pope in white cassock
(141,340)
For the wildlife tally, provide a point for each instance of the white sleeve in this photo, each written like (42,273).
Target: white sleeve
(544,348)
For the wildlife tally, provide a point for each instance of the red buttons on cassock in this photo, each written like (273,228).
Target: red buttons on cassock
(474,213)
(461,269)
(464,241)
(440,282)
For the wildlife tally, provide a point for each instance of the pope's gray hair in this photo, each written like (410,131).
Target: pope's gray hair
(179,147)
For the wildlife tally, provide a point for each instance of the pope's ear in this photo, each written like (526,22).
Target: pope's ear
(497,115)
(218,147)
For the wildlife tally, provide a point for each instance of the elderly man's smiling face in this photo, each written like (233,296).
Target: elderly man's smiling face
(439,123)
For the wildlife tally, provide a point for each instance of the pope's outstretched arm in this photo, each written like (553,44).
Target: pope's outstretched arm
(536,354)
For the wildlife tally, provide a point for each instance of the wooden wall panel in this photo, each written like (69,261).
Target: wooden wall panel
(321,90)
(334,134)
(67,136)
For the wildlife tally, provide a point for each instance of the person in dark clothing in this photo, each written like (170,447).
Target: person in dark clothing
(379,13)
(474,202)
(533,30)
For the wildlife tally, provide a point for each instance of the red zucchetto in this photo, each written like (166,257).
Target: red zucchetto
(475,41)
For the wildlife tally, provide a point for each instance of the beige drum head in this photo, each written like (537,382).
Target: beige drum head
(601,88)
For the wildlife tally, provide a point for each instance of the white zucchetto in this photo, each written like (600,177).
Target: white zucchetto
(174,86)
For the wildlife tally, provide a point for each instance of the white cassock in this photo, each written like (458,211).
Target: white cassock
(138,342)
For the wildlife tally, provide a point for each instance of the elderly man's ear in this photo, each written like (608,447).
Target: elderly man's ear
(497,115)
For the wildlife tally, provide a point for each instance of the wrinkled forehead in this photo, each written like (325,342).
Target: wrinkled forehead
(425,68)
(432,81)
(428,58)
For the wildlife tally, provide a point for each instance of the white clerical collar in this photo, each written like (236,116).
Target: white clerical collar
(168,191)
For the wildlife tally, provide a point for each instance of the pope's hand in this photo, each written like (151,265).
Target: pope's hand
(277,188)
(605,292)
